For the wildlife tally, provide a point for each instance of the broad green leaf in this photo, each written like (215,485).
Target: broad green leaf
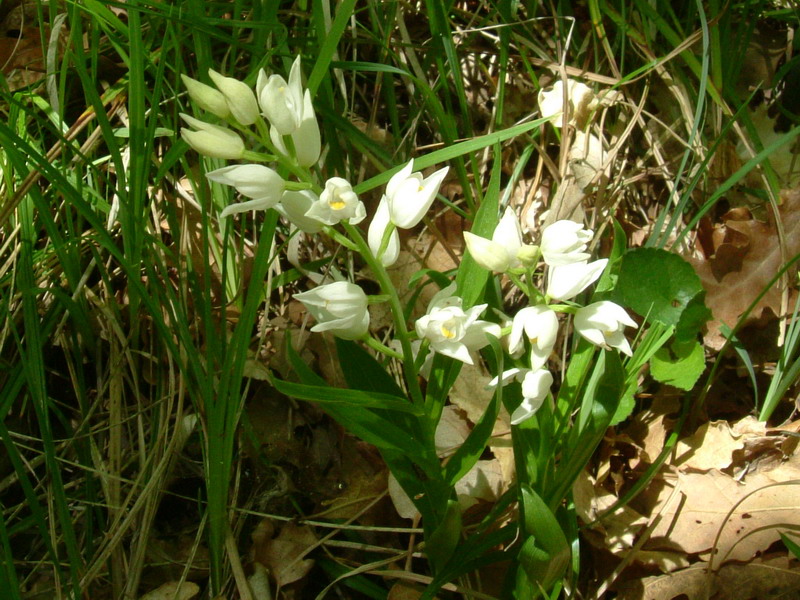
(545,554)
(657,284)
(363,372)
(793,547)
(332,395)
(692,319)
(440,545)
(679,365)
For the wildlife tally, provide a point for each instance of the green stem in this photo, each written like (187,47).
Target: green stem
(289,163)
(341,239)
(382,348)
(401,332)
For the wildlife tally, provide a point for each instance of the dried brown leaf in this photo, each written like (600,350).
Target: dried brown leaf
(773,577)
(711,447)
(734,520)
(284,555)
(748,256)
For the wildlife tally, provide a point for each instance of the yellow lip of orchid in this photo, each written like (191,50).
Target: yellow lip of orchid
(337,202)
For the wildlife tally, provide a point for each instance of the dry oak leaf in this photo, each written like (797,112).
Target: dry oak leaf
(771,577)
(716,514)
(619,531)
(711,447)
(649,428)
(284,555)
(747,255)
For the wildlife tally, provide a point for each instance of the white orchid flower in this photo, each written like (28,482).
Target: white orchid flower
(564,242)
(239,97)
(567,281)
(281,102)
(253,181)
(451,330)
(339,307)
(410,196)
(206,97)
(290,112)
(305,139)
(540,326)
(338,202)
(501,253)
(377,229)
(212,140)
(602,323)
(536,385)
(293,207)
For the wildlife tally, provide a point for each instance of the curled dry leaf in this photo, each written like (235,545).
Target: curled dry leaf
(723,519)
(451,432)
(586,158)
(284,555)
(402,590)
(699,509)
(741,256)
(469,394)
(711,447)
(771,577)
(649,428)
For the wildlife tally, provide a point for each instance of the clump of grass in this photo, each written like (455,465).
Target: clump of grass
(128,320)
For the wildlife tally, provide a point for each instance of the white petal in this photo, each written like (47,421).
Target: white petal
(488,254)
(377,228)
(476,335)
(399,178)
(294,205)
(505,378)
(568,281)
(240,207)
